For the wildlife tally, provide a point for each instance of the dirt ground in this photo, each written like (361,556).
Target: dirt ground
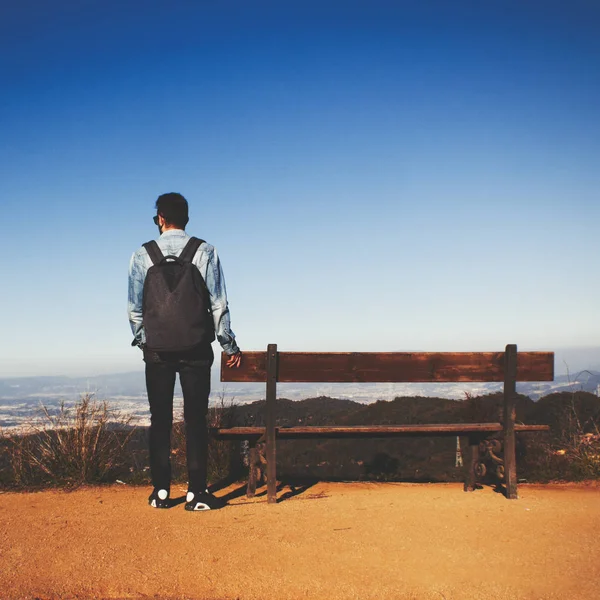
(330,540)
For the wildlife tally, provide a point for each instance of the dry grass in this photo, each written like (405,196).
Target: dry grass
(91,442)
(577,449)
(572,453)
(85,443)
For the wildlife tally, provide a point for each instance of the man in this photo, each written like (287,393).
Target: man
(164,358)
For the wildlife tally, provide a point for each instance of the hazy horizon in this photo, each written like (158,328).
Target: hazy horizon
(567,360)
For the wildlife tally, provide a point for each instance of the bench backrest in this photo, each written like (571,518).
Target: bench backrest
(386,367)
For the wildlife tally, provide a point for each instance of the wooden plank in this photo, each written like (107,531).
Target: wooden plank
(358,431)
(271,431)
(244,433)
(252,369)
(473,460)
(510,393)
(391,367)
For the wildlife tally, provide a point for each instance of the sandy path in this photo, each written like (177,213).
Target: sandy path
(343,540)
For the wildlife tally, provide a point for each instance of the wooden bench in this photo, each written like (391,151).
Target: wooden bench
(383,367)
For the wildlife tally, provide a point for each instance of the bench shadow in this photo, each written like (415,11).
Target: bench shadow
(298,486)
(223,483)
(226,482)
(236,493)
(496,487)
(499,488)
(294,487)
(176,501)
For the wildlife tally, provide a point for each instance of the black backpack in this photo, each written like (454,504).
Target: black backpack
(176,304)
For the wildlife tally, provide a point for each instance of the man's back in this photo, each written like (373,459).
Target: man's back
(172,242)
(176,302)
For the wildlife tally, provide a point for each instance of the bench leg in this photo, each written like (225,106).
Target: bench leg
(252,470)
(271,433)
(510,392)
(510,465)
(471,464)
(271,474)
(257,464)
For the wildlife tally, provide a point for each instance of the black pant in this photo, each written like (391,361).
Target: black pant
(194,375)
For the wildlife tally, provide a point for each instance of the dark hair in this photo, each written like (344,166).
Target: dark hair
(174,209)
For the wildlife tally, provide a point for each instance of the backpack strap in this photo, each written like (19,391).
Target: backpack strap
(188,253)
(154,252)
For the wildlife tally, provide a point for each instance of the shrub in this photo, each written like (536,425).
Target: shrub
(572,452)
(86,443)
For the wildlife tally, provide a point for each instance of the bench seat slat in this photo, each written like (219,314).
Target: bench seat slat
(371,431)
(390,367)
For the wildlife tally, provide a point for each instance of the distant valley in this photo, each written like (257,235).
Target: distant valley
(21,398)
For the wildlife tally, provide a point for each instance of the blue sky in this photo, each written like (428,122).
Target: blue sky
(375,176)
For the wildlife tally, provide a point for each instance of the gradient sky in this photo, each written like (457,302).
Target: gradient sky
(376,176)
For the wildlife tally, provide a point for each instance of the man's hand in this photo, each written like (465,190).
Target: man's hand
(235,360)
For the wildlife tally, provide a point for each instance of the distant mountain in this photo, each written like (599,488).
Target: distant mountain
(106,386)
(584,381)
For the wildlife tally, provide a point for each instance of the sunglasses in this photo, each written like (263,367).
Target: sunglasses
(155,219)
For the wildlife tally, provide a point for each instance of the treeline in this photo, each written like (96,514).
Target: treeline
(570,451)
(92,443)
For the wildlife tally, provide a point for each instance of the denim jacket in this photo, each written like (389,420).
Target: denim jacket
(172,242)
